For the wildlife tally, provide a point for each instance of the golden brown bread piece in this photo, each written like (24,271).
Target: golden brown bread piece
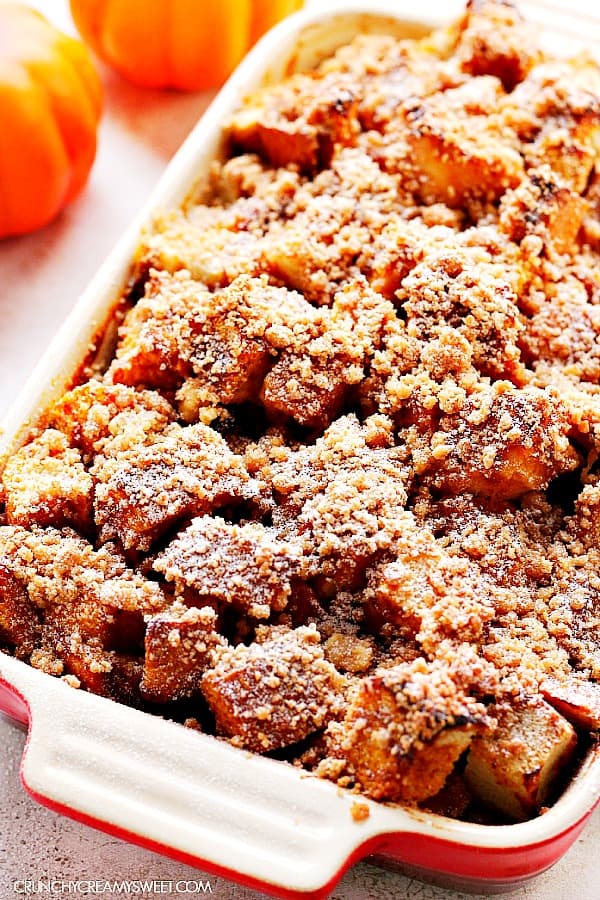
(514,766)
(406,726)
(96,411)
(503,443)
(494,39)
(298,121)
(144,488)
(244,565)
(19,621)
(179,646)
(273,693)
(458,146)
(45,483)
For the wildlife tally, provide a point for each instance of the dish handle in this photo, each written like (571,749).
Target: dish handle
(168,788)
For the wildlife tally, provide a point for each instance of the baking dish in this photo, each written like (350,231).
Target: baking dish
(148,780)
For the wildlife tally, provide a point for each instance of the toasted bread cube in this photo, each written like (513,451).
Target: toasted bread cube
(299,121)
(314,250)
(155,339)
(478,298)
(19,621)
(514,767)
(180,644)
(406,727)
(244,565)
(225,340)
(573,157)
(541,206)
(144,489)
(426,593)
(275,693)
(503,444)
(213,255)
(496,41)
(60,567)
(87,600)
(456,144)
(46,483)
(312,378)
(216,243)
(96,411)
(575,699)
(341,500)
(310,393)
(78,635)
(247,177)
(556,113)
(389,256)
(563,330)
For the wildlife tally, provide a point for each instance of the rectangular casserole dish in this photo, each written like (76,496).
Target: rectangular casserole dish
(150,781)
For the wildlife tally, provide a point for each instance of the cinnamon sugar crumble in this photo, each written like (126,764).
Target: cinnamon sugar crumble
(336,496)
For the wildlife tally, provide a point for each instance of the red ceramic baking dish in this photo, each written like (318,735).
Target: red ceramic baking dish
(257,821)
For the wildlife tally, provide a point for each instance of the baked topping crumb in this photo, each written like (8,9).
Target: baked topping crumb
(336,495)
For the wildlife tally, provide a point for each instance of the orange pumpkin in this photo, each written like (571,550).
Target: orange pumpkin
(50,103)
(185,44)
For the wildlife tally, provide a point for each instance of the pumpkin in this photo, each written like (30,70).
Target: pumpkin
(185,44)
(50,104)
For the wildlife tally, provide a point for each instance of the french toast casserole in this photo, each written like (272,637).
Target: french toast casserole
(334,494)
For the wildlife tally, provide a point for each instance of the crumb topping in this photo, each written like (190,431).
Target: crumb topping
(336,494)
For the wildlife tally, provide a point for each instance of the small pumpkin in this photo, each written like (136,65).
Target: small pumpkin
(184,44)
(50,104)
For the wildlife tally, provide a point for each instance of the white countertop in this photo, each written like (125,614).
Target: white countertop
(41,277)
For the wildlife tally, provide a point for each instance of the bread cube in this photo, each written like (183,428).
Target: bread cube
(180,644)
(311,393)
(312,378)
(89,603)
(541,206)
(455,142)
(60,567)
(212,254)
(389,256)
(46,483)
(556,113)
(406,727)
(144,489)
(341,500)
(575,699)
(96,411)
(504,443)
(495,40)
(243,565)
(19,620)
(78,635)
(477,298)
(426,593)
(216,243)
(223,340)
(275,693)
(563,330)
(298,121)
(514,767)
